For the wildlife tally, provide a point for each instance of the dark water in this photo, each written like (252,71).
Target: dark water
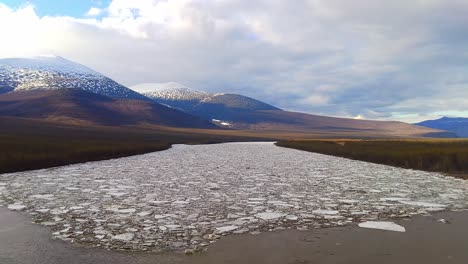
(426,241)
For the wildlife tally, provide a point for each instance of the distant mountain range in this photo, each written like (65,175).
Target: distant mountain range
(241,112)
(57,89)
(53,88)
(457,125)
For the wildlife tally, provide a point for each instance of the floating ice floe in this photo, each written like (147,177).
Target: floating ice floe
(127,211)
(76,208)
(325,212)
(42,196)
(16,207)
(393,199)
(349,201)
(443,221)
(225,229)
(124,237)
(255,187)
(270,215)
(145,213)
(423,204)
(158,202)
(389,226)
(291,217)
(173,227)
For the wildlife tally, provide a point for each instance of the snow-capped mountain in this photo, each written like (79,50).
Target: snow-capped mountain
(169,91)
(242,112)
(53,72)
(221,108)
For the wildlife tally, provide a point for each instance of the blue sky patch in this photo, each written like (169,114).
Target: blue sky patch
(72,8)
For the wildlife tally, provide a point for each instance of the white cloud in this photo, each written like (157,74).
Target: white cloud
(94,11)
(374,58)
(315,100)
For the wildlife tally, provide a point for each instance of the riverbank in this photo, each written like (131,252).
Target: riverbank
(426,240)
(435,155)
(28,144)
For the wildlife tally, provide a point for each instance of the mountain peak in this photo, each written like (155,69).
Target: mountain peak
(55,72)
(169,91)
(153,87)
(46,63)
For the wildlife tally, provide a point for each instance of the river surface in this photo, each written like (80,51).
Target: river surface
(187,197)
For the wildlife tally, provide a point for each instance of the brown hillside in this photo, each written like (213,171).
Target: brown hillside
(82,107)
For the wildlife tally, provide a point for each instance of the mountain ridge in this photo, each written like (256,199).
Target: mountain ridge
(83,107)
(211,106)
(457,125)
(54,88)
(54,72)
(241,112)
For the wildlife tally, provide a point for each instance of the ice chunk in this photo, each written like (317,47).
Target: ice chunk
(158,202)
(158,216)
(257,199)
(390,226)
(127,211)
(393,199)
(180,202)
(16,207)
(127,237)
(325,212)
(269,215)
(42,196)
(225,229)
(349,201)
(144,213)
(48,223)
(422,204)
(292,217)
(173,227)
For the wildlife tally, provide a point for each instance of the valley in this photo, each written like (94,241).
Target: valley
(233,132)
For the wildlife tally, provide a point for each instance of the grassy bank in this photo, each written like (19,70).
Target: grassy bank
(30,144)
(449,156)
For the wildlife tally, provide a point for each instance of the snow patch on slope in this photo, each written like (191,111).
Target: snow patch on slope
(53,72)
(169,91)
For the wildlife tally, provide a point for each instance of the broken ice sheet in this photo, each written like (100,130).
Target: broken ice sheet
(150,203)
(389,226)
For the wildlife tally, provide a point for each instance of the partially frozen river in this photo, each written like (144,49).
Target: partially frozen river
(187,197)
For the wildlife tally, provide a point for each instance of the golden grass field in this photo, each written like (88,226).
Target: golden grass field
(33,144)
(440,155)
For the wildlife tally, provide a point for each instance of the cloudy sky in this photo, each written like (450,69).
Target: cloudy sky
(393,59)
